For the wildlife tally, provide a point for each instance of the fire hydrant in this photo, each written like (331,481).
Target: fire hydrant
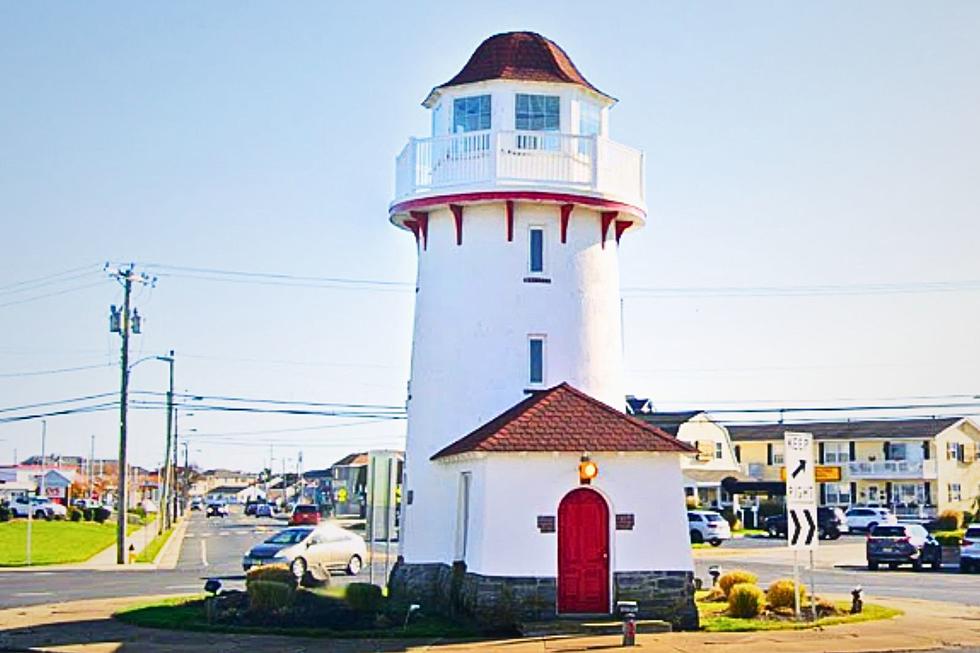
(132,554)
(628,610)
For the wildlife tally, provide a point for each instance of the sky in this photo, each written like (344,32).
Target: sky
(812,175)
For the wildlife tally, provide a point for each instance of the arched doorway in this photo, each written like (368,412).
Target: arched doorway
(583,553)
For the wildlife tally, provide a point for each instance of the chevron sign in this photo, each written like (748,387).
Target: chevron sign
(801,495)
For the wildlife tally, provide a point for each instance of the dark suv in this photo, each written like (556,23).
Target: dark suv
(903,544)
(830,524)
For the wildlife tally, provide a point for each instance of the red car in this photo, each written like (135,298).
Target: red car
(304,514)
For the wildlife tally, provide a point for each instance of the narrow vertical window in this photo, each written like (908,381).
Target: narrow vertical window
(536,253)
(463,515)
(536,356)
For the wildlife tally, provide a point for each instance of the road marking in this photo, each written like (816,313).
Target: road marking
(182,587)
(25,594)
(204,553)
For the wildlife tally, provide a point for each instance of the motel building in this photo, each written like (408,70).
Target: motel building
(528,492)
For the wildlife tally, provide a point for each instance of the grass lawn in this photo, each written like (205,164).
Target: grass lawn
(714,620)
(149,554)
(187,613)
(54,542)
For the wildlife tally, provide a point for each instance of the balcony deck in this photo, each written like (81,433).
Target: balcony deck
(892,469)
(590,166)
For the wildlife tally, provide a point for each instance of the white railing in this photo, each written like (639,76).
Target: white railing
(892,469)
(570,161)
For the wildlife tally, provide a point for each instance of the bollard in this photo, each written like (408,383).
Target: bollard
(132,554)
(628,609)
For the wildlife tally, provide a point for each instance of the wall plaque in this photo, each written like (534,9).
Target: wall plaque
(546,523)
(624,522)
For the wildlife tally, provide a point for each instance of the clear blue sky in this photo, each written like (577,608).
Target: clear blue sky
(833,143)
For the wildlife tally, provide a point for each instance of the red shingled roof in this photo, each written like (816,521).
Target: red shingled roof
(521,56)
(564,419)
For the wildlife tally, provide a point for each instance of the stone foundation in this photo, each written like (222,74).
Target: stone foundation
(502,601)
(666,595)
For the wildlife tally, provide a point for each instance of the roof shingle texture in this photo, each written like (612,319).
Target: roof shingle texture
(865,429)
(523,56)
(564,419)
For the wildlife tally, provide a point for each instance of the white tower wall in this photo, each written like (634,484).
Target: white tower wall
(474,313)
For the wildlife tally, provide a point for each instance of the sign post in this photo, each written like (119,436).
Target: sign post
(801,504)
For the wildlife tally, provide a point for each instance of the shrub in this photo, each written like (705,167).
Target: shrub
(101,514)
(949,538)
(272,574)
(4,513)
(74,514)
(949,520)
(364,597)
(770,508)
(138,511)
(745,601)
(968,517)
(88,514)
(733,578)
(270,595)
(733,521)
(691,502)
(715,595)
(781,594)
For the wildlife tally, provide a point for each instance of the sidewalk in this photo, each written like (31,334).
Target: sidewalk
(87,627)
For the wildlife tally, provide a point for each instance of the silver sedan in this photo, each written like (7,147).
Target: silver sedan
(317,549)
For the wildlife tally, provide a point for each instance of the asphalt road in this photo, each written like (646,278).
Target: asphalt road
(212,548)
(840,568)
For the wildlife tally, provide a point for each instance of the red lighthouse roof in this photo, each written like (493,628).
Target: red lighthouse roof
(564,419)
(525,56)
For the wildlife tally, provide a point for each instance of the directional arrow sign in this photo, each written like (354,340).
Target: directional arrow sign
(801,491)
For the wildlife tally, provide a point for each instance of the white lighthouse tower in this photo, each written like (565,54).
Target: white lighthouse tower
(518,200)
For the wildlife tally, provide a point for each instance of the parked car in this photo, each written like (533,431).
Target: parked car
(250,507)
(317,549)
(708,526)
(263,510)
(217,510)
(38,507)
(830,524)
(197,503)
(902,544)
(860,518)
(970,549)
(304,513)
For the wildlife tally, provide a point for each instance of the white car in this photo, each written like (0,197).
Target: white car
(970,549)
(39,507)
(865,519)
(708,526)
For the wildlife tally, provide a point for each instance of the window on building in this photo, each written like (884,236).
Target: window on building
(836,452)
(908,494)
(471,113)
(897,451)
(463,515)
(718,450)
(536,359)
(537,113)
(589,124)
(777,455)
(536,250)
(954,492)
(837,494)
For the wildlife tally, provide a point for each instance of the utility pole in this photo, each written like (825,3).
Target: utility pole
(173,474)
(187,473)
(122,322)
(165,520)
(30,504)
(91,468)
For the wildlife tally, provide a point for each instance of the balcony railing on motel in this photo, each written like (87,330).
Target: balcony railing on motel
(520,158)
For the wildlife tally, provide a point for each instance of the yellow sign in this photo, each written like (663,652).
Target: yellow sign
(822,473)
(342,495)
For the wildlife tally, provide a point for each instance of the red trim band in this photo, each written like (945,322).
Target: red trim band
(526,195)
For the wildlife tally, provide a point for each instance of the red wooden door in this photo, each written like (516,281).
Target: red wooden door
(583,553)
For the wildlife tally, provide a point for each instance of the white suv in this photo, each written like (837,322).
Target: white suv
(40,508)
(865,519)
(970,549)
(708,526)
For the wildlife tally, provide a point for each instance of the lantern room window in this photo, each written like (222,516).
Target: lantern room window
(537,113)
(471,114)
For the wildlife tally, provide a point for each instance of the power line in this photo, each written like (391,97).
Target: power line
(61,370)
(51,294)
(911,287)
(57,402)
(40,280)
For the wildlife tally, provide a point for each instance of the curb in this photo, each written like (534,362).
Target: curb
(164,560)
